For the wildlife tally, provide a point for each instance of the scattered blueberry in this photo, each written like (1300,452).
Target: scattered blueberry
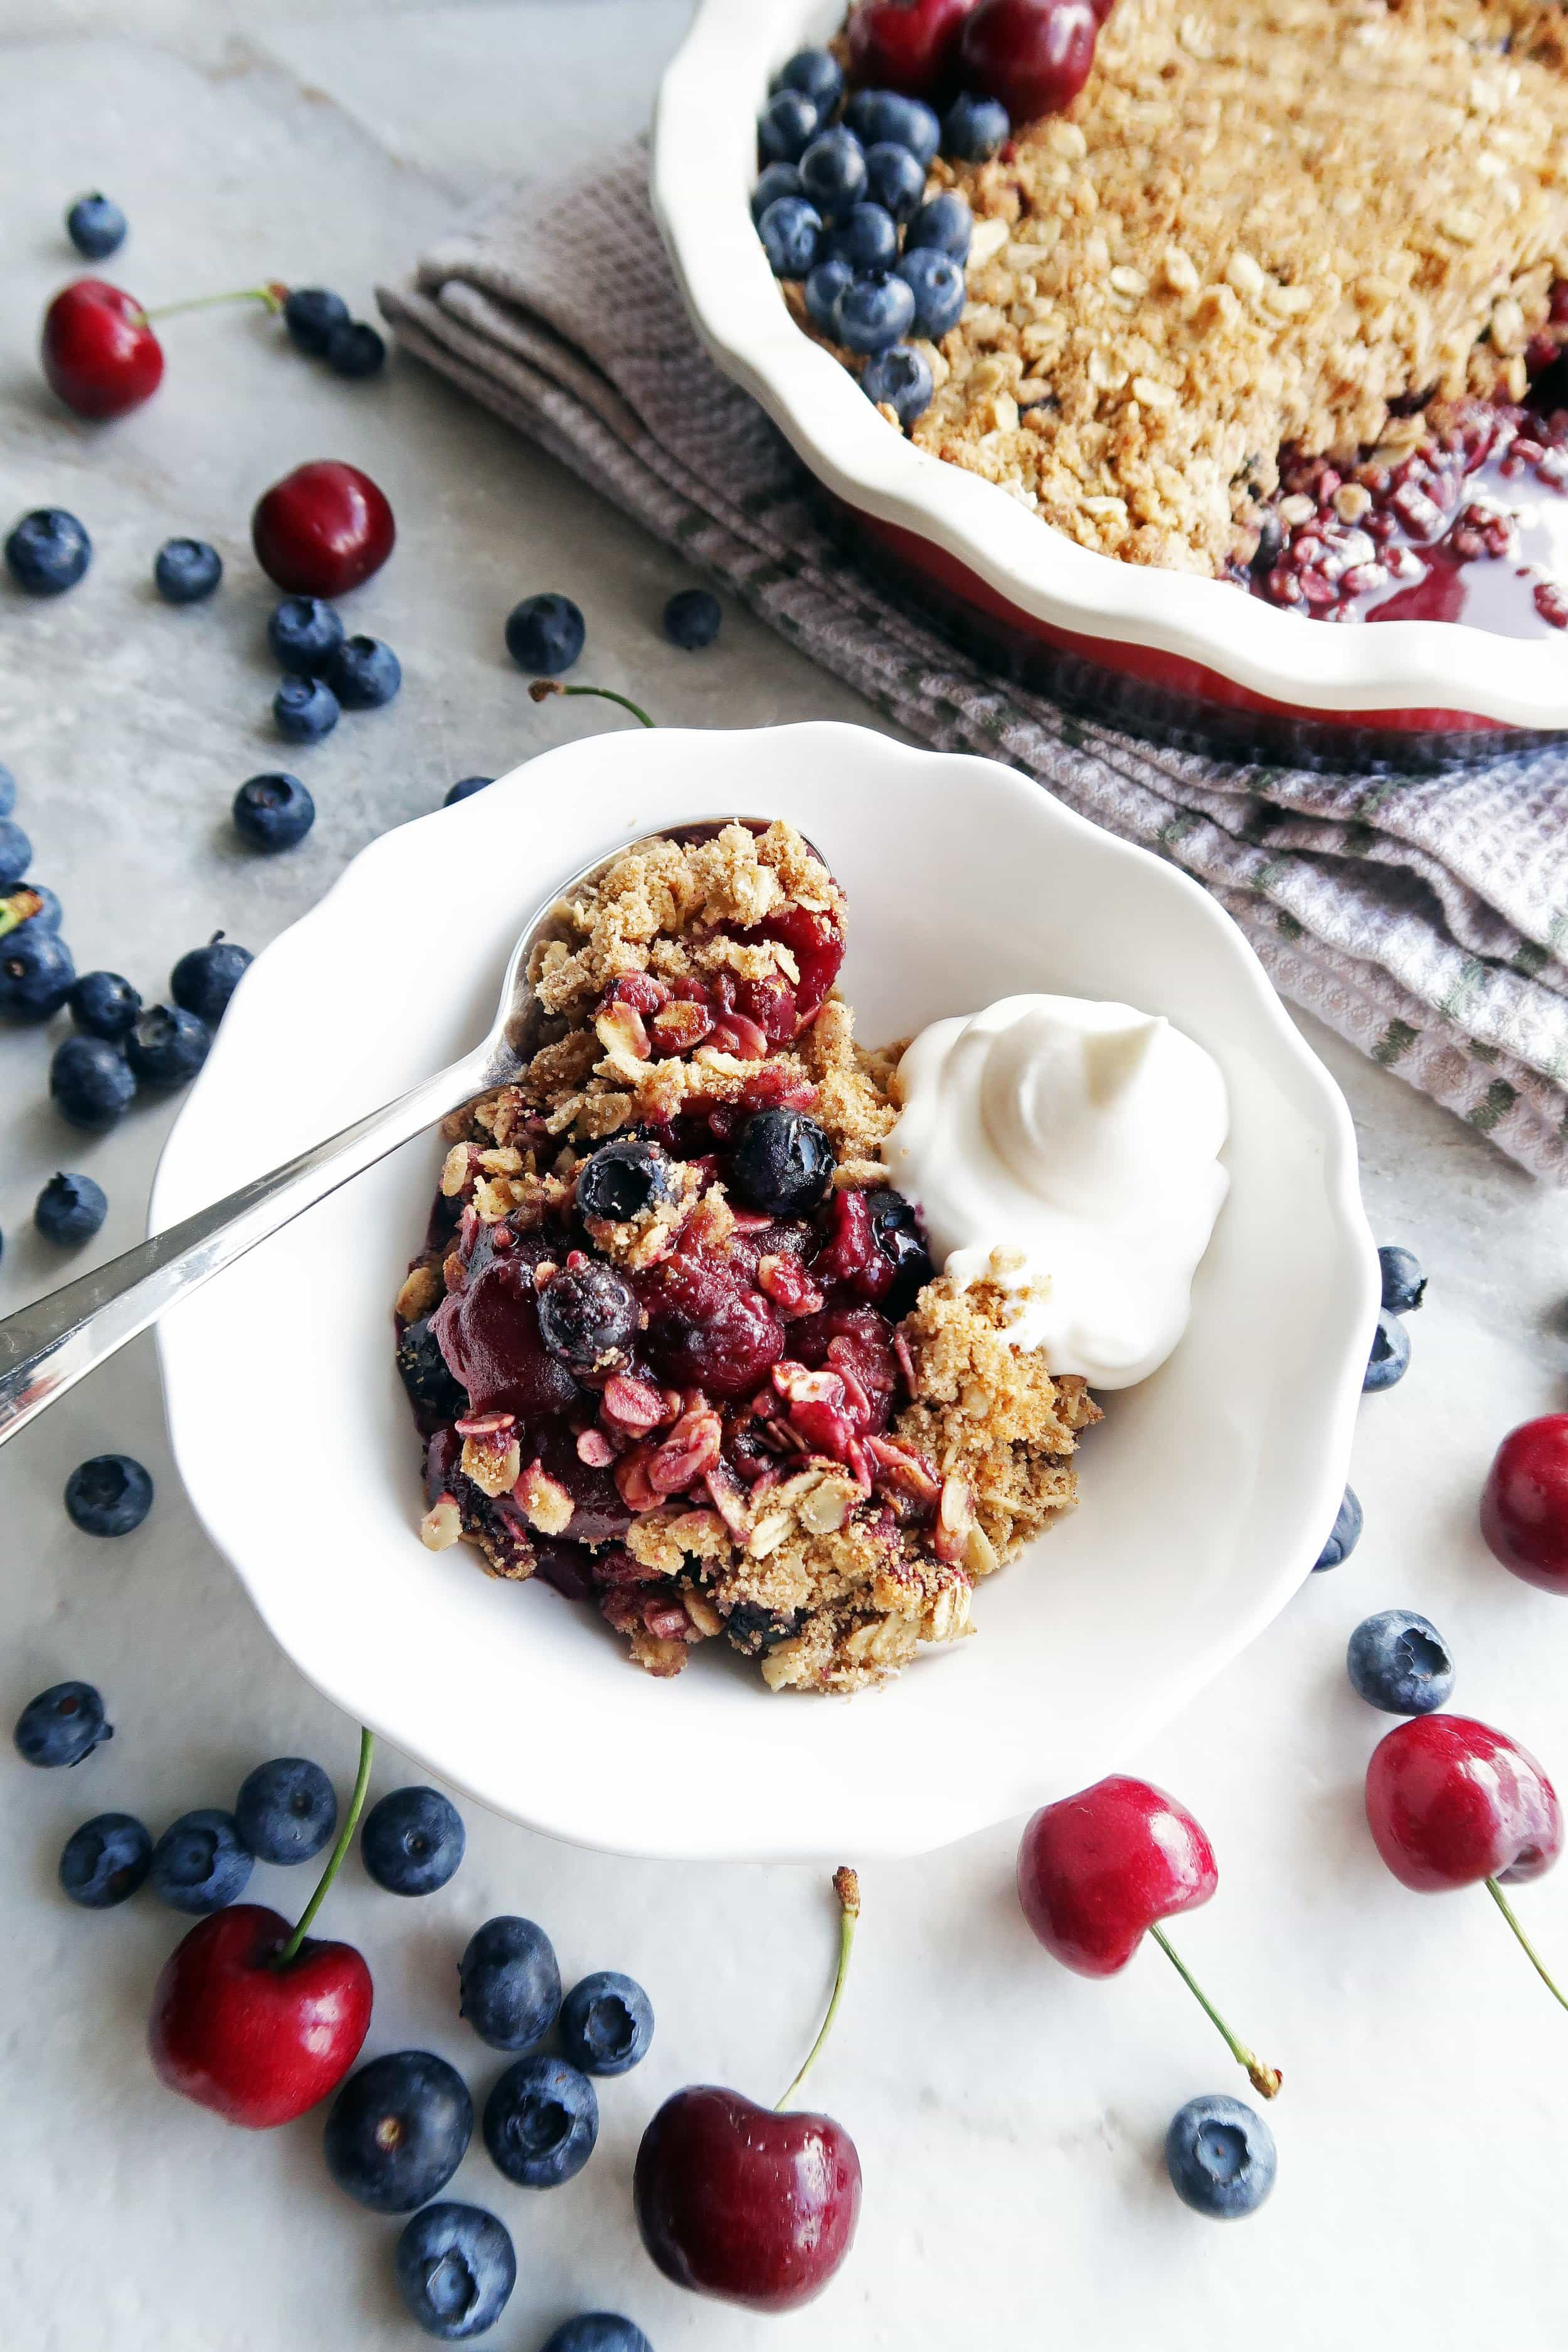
(945,222)
(894,179)
(61,1726)
(508,1983)
(105,1861)
(691,619)
(781,1163)
(310,313)
(36,973)
(206,978)
(91,1082)
(597,2331)
(7,791)
(186,570)
(199,1863)
(70,1210)
(355,350)
(544,635)
(974,129)
(413,1840)
(833,171)
(96,226)
(464,788)
(48,552)
(109,1494)
(786,127)
(607,2023)
(816,74)
(822,288)
(898,379)
(1400,1663)
(303,633)
(273,812)
(456,2269)
(167,1045)
(286,1811)
(1390,1358)
(790,231)
(304,711)
(398,2131)
(16,853)
(864,237)
(936,281)
(875,312)
(1403,1283)
(885,115)
(364,672)
(589,1317)
(103,1003)
(1344,1535)
(778,180)
(1220,2157)
(540,2122)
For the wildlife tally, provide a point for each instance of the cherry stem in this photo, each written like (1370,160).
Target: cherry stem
(846,1886)
(543,688)
(336,1859)
(18,907)
(1265,2080)
(272,295)
(1532,1955)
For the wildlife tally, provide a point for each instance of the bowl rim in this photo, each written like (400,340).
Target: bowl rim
(702,166)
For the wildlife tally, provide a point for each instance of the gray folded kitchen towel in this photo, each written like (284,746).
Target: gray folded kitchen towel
(1425,918)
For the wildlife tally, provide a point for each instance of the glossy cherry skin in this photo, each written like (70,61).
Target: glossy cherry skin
(1097,1869)
(322,529)
(905,44)
(1524,1504)
(1451,1803)
(99,353)
(736,2201)
(1033,55)
(257,2044)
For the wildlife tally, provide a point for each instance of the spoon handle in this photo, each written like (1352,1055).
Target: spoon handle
(44,1349)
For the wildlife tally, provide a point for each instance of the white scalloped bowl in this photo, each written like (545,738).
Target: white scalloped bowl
(1207,1492)
(1179,656)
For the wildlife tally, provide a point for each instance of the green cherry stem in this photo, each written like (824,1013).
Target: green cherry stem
(335,1860)
(1265,2080)
(272,295)
(846,1886)
(543,688)
(1532,1955)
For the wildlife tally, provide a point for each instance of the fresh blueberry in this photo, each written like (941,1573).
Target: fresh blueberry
(412,1841)
(304,634)
(1400,1663)
(464,788)
(109,1494)
(974,129)
(105,1861)
(186,570)
(1403,1283)
(508,1985)
(31,902)
(946,222)
(1344,1535)
(199,1863)
(354,349)
(61,1726)
(790,231)
(70,1210)
(816,74)
(1390,1358)
(545,634)
(875,312)
(691,619)
(885,115)
(936,281)
(607,2023)
(833,171)
(304,711)
(48,552)
(540,2122)
(622,1179)
(597,2331)
(778,180)
(866,237)
(103,1004)
(781,1163)
(1220,2157)
(7,791)
(364,674)
(899,379)
(16,853)
(166,1047)
(310,313)
(786,127)
(822,288)
(273,812)
(456,2269)
(286,1811)
(206,978)
(398,2131)
(96,226)
(36,973)
(589,1317)
(894,179)
(90,1083)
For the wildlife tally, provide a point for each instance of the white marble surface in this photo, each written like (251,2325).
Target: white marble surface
(1009,2115)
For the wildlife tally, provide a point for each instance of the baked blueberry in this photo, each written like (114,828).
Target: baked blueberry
(866,237)
(945,224)
(692,619)
(1403,1283)
(1399,1662)
(1220,2157)
(823,289)
(937,283)
(109,1494)
(456,2270)
(167,1045)
(588,1317)
(833,171)
(898,379)
(48,552)
(70,1210)
(398,2131)
(310,313)
(303,633)
(103,1003)
(105,1861)
(899,1237)
(790,231)
(816,74)
(61,1726)
(540,2122)
(273,812)
(425,1375)
(363,674)
(597,2331)
(1344,1535)
(622,1179)
(206,978)
(286,1809)
(304,711)
(1390,1358)
(508,1985)
(354,349)
(894,179)
(16,853)
(778,180)
(199,1864)
(786,127)
(607,2023)
(875,312)
(782,1162)
(36,973)
(91,1082)
(412,1841)
(545,634)
(974,129)
(464,788)
(96,226)
(886,114)
(185,571)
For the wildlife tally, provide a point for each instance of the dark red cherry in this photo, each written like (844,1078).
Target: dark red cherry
(905,44)
(99,353)
(488,1333)
(322,529)
(1524,1506)
(1033,55)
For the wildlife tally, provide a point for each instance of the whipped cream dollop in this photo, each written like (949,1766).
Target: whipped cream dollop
(1080,1143)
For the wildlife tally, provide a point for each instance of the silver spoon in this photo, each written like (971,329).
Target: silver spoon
(47,1347)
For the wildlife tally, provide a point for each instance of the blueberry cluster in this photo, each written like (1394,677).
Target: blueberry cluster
(841,207)
(325,673)
(320,325)
(1403,1288)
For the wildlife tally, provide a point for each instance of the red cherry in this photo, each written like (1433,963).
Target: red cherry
(1451,1803)
(257,2042)
(100,354)
(322,529)
(1524,1505)
(906,45)
(1033,55)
